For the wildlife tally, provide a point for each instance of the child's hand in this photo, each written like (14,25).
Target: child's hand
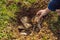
(41,13)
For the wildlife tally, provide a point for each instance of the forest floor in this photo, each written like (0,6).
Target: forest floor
(44,34)
(49,28)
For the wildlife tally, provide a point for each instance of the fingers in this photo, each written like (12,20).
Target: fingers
(40,16)
(39,12)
